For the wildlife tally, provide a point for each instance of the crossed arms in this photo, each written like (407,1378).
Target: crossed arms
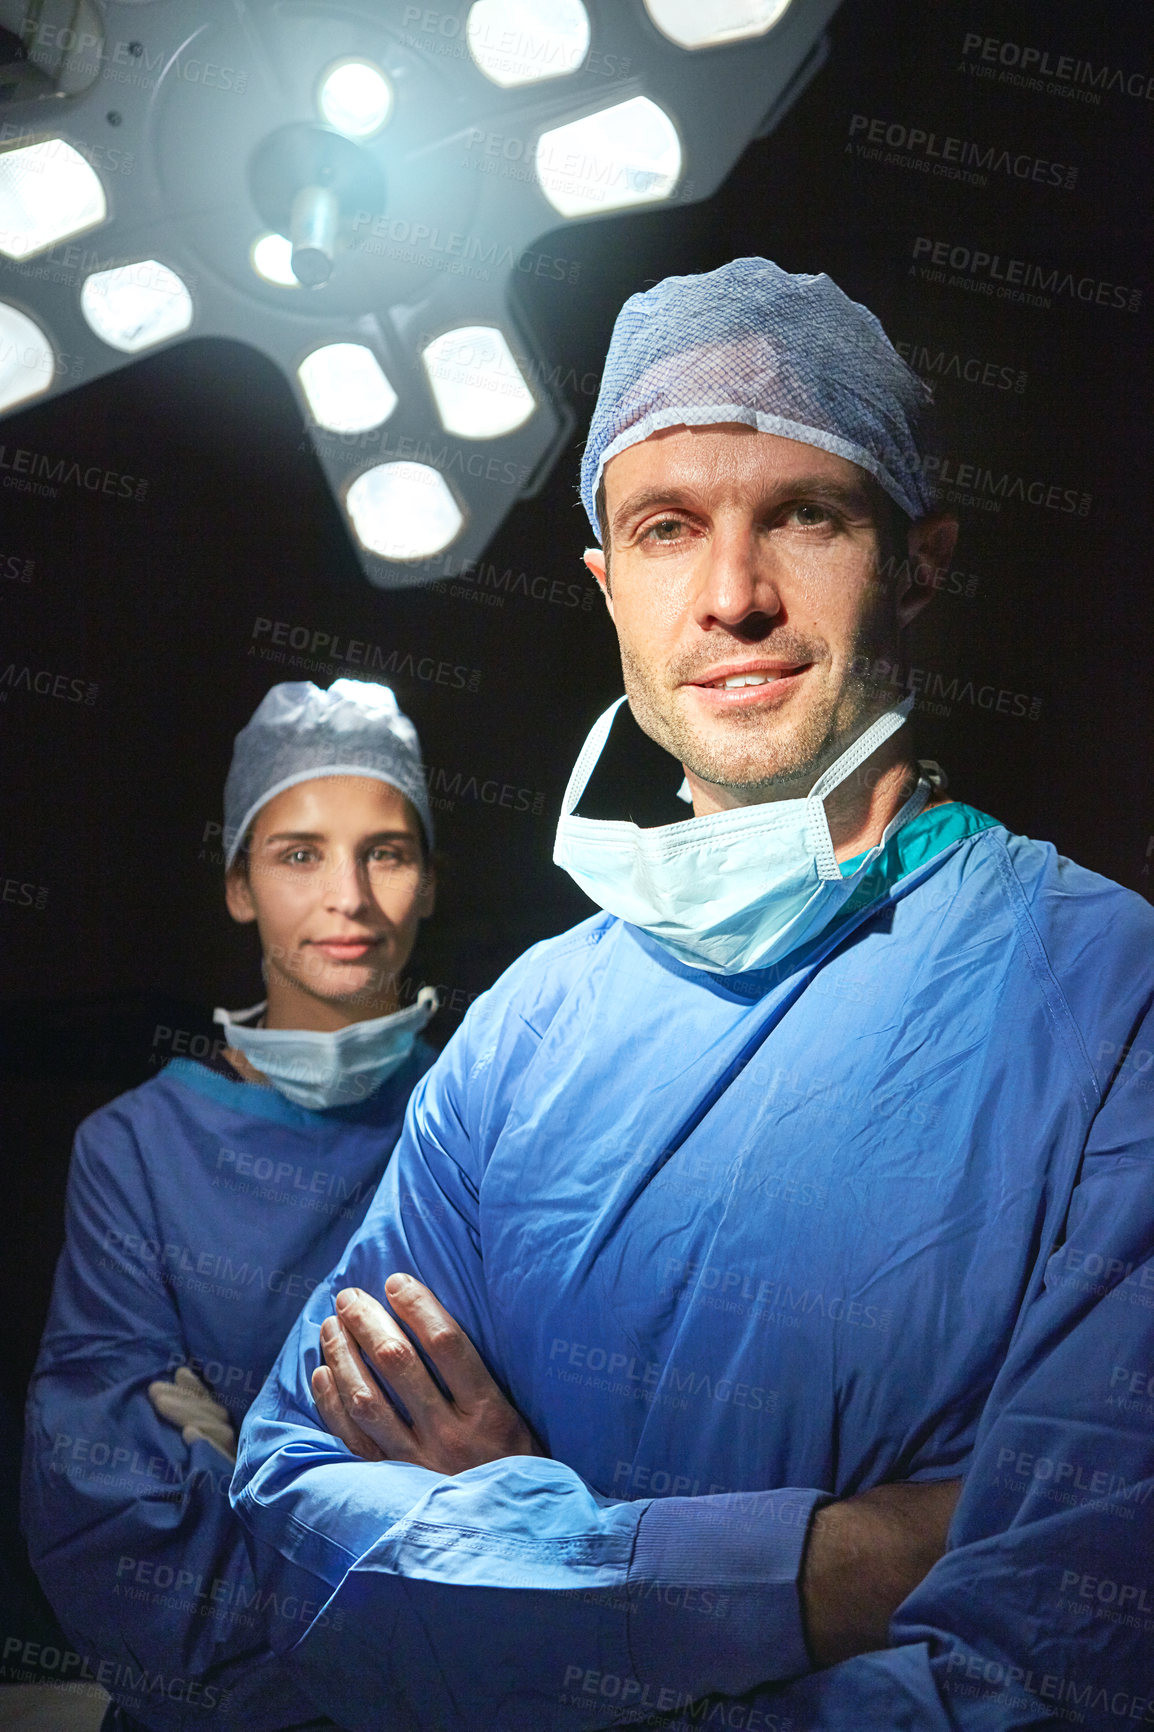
(863,1557)
(464,1587)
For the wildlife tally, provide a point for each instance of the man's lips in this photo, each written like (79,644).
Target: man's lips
(748,683)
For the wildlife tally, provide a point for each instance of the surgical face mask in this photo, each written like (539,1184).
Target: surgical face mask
(733,890)
(320,1069)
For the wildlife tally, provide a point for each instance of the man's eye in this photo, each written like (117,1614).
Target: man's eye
(809,516)
(668,529)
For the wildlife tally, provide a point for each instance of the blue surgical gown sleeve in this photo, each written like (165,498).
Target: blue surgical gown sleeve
(1041,1612)
(130,1529)
(480,1599)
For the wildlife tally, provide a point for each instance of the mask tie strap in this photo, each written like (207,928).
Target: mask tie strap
(917,800)
(851,759)
(587,762)
(240,1018)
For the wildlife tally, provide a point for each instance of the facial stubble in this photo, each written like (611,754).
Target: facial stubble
(766,752)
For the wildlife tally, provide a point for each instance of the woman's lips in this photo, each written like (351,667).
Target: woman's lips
(344,949)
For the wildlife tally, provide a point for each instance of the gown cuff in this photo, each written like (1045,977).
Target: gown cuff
(714,1592)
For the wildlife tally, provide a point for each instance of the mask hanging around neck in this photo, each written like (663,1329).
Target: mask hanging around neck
(733,890)
(321,1069)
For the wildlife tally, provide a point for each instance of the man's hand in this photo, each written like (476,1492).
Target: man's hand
(474,1425)
(864,1556)
(187,1402)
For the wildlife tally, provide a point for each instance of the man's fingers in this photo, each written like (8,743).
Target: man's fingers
(447,1436)
(392,1354)
(458,1363)
(366,1405)
(335,1419)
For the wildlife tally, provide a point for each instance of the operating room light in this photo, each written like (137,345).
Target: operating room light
(355,98)
(479,389)
(132,307)
(403,510)
(353,189)
(271,257)
(345,388)
(708,23)
(524,41)
(626,155)
(48,192)
(27,364)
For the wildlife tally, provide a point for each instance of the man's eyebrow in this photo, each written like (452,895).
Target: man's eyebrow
(641,501)
(853,496)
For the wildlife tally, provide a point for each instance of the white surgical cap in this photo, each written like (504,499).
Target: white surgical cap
(299,732)
(786,354)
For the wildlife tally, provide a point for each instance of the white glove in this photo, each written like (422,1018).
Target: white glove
(188,1403)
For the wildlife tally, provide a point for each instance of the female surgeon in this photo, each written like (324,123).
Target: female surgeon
(203,1208)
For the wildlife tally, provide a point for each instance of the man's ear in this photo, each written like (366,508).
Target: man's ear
(931,545)
(595,562)
(238,895)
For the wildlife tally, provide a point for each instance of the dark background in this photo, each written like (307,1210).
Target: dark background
(109,804)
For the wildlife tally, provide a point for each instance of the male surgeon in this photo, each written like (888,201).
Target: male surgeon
(810,1177)
(205,1205)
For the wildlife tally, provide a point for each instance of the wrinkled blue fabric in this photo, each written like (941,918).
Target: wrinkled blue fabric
(733,1246)
(201,1212)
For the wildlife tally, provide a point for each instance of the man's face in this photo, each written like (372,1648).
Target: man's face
(739,556)
(337,885)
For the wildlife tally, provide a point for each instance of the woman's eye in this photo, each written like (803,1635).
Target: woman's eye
(298,856)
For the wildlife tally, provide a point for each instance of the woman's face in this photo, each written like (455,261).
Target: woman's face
(337,884)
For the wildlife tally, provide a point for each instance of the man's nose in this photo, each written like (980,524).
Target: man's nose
(739,585)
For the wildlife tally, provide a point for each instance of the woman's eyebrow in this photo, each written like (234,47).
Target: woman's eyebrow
(320,836)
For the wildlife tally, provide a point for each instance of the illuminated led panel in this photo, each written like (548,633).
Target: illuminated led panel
(355,98)
(135,306)
(271,258)
(403,511)
(27,364)
(48,193)
(626,155)
(346,390)
(479,389)
(525,41)
(706,23)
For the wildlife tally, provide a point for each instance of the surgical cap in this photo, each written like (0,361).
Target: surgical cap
(786,354)
(299,732)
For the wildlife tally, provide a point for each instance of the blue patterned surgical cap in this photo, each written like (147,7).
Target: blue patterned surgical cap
(786,354)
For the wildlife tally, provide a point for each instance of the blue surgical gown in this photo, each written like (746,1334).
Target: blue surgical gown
(201,1213)
(737,1244)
